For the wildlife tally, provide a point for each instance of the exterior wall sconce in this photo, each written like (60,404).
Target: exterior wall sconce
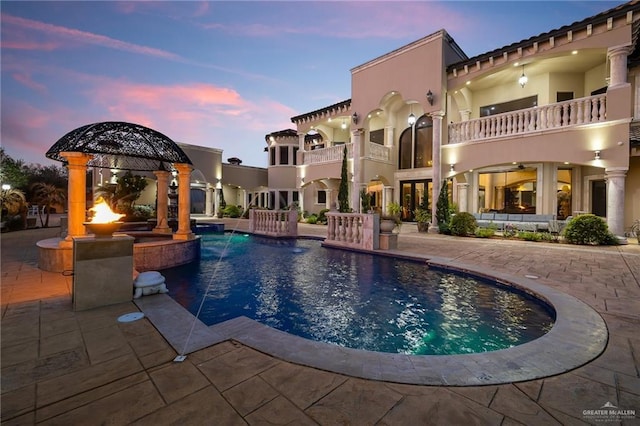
(597,155)
(343,125)
(430,97)
(523,79)
(452,167)
(355,118)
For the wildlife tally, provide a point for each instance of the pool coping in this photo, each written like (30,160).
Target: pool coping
(578,336)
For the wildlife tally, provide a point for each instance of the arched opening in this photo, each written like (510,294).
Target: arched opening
(416,145)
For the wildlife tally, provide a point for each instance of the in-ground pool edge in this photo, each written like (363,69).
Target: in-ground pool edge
(578,336)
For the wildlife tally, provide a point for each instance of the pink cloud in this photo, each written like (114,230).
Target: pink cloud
(357,20)
(26,80)
(78,36)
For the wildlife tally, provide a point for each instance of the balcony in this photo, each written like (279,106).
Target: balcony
(325,155)
(576,112)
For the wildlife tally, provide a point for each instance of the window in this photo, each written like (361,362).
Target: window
(272,156)
(295,197)
(283,197)
(377,136)
(322,197)
(284,155)
(514,105)
(295,155)
(420,153)
(564,96)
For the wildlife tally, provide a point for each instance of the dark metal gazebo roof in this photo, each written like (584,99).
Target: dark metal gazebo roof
(120,145)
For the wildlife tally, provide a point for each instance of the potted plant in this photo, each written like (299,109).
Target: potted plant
(391,220)
(423,219)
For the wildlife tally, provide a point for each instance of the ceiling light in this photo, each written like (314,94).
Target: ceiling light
(523,79)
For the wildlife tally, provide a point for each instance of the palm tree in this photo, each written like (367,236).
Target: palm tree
(12,201)
(122,195)
(47,195)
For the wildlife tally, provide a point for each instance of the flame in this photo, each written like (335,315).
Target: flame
(103,214)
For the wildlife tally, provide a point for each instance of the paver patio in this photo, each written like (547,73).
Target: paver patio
(66,367)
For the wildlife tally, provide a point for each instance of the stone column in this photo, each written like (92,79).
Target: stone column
(615,178)
(77,195)
(162,194)
(331,203)
(436,117)
(216,201)
(184,202)
(356,138)
(387,197)
(618,65)
(465,114)
(463,189)
(208,202)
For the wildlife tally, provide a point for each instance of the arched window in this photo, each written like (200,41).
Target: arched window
(420,153)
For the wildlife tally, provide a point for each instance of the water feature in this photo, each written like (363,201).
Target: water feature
(352,299)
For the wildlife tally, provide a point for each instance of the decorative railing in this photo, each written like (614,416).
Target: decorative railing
(275,223)
(353,230)
(575,112)
(379,152)
(325,155)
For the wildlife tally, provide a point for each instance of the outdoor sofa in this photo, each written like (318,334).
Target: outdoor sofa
(522,222)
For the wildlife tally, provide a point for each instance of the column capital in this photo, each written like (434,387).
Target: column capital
(615,172)
(76,158)
(183,167)
(437,115)
(619,50)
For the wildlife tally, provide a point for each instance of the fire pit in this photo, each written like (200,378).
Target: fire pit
(104,221)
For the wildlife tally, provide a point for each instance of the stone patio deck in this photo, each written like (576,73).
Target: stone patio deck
(65,367)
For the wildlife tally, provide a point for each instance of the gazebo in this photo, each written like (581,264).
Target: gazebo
(122,146)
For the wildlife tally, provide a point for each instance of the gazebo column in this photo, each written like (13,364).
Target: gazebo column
(162,194)
(184,202)
(77,196)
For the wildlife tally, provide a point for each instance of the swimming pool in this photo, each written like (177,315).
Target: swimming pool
(352,299)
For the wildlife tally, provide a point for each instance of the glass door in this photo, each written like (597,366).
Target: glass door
(411,196)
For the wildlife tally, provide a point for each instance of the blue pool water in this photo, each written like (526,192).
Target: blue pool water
(352,299)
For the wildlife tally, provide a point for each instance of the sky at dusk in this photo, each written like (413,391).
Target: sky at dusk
(221,74)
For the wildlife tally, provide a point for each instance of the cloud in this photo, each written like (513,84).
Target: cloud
(351,20)
(25,80)
(76,36)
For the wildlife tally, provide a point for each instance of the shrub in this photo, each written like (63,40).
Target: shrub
(321,216)
(232,211)
(485,232)
(142,212)
(313,219)
(510,230)
(588,229)
(530,236)
(463,224)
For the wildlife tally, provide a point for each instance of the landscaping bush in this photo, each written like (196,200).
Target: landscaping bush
(321,216)
(313,219)
(485,232)
(530,236)
(588,229)
(142,212)
(509,231)
(463,224)
(232,211)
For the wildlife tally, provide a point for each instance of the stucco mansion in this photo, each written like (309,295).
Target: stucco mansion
(547,125)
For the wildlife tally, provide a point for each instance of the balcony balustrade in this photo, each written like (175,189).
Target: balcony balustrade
(275,223)
(352,230)
(576,112)
(325,155)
